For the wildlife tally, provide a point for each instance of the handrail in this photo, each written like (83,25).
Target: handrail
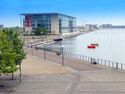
(106,63)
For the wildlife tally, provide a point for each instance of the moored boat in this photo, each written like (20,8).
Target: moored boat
(95,44)
(91,46)
(58,39)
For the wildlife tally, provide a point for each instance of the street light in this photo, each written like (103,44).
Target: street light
(31,42)
(33,37)
(41,36)
(44,51)
(62,51)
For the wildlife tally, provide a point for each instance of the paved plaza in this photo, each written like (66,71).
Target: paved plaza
(64,80)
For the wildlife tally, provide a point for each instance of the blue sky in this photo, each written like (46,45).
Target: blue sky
(86,11)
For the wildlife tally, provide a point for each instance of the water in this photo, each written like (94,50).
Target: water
(111,44)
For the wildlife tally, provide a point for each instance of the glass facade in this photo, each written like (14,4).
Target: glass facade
(41,21)
(65,23)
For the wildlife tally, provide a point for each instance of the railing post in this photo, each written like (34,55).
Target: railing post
(81,57)
(112,64)
(88,59)
(121,67)
(44,51)
(65,54)
(105,63)
(109,63)
(20,72)
(75,55)
(101,61)
(98,61)
(85,58)
(116,65)
(62,50)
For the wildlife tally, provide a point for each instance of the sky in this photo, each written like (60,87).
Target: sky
(86,11)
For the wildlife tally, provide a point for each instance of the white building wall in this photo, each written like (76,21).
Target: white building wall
(54,24)
(28,30)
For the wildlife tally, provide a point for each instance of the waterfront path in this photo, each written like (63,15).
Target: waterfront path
(86,82)
(77,65)
(46,77)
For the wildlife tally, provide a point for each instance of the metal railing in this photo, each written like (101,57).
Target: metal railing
(106,63)
(87,59)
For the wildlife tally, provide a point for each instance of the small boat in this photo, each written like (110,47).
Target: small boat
(95,44)
(91,46)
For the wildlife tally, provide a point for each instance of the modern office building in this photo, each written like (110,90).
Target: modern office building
(55,23)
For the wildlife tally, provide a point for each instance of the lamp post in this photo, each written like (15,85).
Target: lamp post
(33,37)
(44,50)
(41,36)
(62,51)
(31,42)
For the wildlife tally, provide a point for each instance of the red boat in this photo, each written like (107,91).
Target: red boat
(91,46)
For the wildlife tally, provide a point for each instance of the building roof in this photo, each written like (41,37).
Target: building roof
(46,14)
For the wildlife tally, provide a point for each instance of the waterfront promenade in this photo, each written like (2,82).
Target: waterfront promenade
(47,77)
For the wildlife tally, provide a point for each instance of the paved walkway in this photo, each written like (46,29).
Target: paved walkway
(34,65)
(77,65)
(86,82)
(91,79)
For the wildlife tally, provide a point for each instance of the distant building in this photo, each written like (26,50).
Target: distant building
(55,23)
(80,28)
(118,26)
(111,26)
(105,26)
(91,27)
(1,26)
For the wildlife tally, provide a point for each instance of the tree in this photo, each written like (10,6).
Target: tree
(11,51)
(40,31)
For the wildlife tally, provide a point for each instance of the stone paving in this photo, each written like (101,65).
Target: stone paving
(84,81)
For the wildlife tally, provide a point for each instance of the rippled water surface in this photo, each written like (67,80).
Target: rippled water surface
(111,44)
